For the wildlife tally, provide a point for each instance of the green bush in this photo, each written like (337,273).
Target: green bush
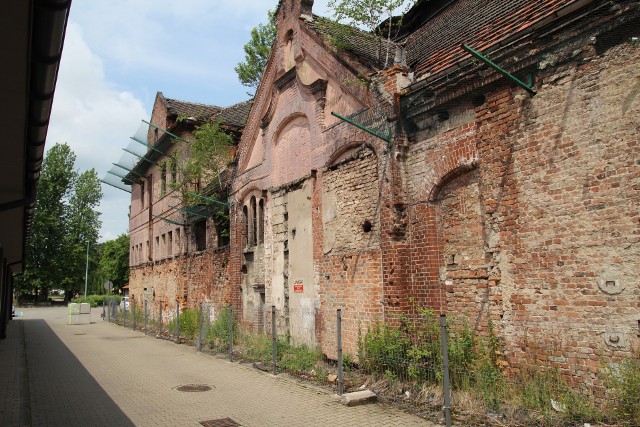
(93,300)
(218,334)
(299,359)
(189,323)
(623,382)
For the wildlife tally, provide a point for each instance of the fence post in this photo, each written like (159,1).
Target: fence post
(230,332)
(274,341)
(445,370)
(124,314)
(200,326)
(339,333)
(133,311)
(145,317)
(176,332)
(159,331)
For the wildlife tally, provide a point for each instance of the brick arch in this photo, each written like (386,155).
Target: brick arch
(291,148)
(445,176)
(456,153)
(347,151)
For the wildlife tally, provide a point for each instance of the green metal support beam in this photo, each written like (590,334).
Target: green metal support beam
(192,212)
(359,126)
(115,186)
(165,131)
(209,199)
(140,157)
(490,63)
(168,220)
(128,170)
(145,144)
(123,178)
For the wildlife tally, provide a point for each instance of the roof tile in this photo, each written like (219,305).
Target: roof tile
(478,23)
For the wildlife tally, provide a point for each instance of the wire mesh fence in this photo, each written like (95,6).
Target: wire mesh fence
(425,361)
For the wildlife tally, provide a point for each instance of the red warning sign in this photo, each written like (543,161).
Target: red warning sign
(298,286)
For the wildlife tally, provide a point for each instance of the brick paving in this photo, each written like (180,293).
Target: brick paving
(102,374)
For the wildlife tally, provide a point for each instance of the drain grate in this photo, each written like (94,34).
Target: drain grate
(221,422)
(194,387)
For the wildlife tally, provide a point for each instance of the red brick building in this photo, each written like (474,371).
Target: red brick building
(490,199)
(178,252)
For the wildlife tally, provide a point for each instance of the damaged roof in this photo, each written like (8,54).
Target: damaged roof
(436,45)
(365,45)
(236,115)
(189,109)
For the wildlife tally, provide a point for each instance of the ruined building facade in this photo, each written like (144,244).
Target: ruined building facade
(477,197)
(178,253)
(490,200)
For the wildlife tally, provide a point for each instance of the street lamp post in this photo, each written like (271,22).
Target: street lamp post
(86,272)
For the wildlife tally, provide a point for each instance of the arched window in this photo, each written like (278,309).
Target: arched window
(254,222)
(245,218)
(261,221)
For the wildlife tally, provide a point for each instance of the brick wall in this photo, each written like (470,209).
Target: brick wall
(527,211)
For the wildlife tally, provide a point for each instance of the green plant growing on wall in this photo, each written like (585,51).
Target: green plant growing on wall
(208,154)
(381,19)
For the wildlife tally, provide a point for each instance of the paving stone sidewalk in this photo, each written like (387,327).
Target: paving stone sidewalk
(105,375)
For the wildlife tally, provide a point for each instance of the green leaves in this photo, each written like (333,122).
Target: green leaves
(209,154)
(114,261)
(64,221)
(256,53)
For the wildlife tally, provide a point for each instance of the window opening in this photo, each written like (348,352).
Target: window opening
(163,177)
(254,222)
(142,193)
(174,170)
(200,233)
(245,218)
(261,221)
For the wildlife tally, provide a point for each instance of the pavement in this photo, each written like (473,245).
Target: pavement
(100,374)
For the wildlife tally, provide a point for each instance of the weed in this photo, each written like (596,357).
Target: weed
(623,381)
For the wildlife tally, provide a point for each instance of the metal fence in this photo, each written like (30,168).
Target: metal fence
(418,361)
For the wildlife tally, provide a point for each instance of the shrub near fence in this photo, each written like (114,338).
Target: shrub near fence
(402,361)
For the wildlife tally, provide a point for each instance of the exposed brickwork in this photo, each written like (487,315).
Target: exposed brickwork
(490,203)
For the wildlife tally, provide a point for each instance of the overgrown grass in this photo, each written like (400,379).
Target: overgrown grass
(623,381)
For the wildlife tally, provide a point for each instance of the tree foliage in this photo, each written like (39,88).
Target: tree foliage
(113,264)
(209,153)
(64,222)
(256,53)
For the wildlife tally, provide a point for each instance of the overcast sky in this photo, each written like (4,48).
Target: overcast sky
(119,53)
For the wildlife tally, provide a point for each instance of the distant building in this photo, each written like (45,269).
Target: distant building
(179,251)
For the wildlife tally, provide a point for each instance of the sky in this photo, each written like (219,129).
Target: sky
(119,53)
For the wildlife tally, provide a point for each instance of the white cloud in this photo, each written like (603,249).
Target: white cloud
(96,119)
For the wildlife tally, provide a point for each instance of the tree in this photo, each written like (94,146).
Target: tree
(209,153)
(114,261)
(64,221)
(256,53)
(378,17)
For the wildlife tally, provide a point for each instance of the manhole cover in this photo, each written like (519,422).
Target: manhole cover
(82,333)
(194,387)
(222,422)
